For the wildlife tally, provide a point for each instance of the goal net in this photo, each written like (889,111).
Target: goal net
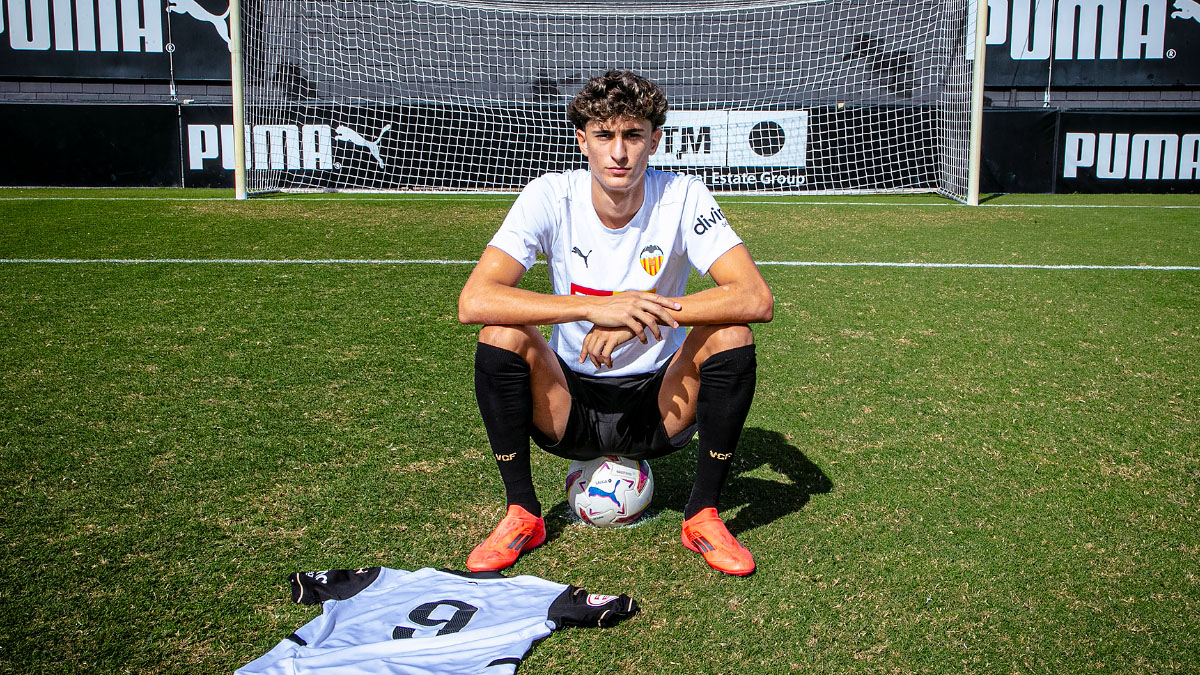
(827,96)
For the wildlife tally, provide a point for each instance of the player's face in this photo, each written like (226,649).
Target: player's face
(618,151)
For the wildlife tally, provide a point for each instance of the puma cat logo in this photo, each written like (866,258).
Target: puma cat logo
(579,253)
(345,133)
(193,9)
(1186,9)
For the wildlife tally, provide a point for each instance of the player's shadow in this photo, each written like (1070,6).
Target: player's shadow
(770,479)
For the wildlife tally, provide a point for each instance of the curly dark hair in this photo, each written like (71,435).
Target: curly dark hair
(618,93)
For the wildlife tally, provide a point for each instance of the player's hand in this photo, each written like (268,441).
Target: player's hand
(599,343)
(635,310)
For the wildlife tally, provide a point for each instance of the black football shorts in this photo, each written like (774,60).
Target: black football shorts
(614,416)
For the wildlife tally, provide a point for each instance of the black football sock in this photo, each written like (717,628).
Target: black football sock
(506,404)
(726,390)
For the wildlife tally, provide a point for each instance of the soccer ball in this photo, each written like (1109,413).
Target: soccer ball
(609,491)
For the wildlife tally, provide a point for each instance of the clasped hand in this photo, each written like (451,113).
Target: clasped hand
(622,317)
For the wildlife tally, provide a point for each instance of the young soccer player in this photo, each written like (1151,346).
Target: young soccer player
(622,374)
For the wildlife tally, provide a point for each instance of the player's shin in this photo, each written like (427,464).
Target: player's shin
(726,391)
(502,388)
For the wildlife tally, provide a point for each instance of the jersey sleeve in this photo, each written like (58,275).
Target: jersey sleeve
(526,230)
(707,234)
(576,607)
(310,588)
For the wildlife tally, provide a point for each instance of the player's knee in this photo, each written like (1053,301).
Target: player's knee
(512,338)
(725,337)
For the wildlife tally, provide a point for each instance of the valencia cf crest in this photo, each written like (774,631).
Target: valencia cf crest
(651,258)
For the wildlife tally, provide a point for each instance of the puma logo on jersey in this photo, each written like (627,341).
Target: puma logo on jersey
(579,253)
(720,455)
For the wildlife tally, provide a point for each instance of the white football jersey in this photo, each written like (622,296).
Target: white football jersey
(679,227)
(381,621)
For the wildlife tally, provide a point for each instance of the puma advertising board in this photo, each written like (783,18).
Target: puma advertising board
(1093,43)
(126,39)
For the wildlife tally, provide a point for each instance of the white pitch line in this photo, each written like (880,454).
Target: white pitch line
(958,205)
(384,198)
(363,261)
(1007,266)
(228,261)
(504,197)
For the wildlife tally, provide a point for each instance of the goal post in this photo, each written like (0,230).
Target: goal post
(238,96)
(775,96)
(978,14)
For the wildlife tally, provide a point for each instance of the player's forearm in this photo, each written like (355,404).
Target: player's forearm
(499,305)
(737,302)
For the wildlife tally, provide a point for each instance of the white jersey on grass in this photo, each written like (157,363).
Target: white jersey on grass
(678,228)
(381,621)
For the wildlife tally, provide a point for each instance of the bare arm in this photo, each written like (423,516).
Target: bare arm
(491,297)
(740,296)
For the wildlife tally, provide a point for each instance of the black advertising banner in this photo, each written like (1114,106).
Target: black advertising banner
(1110,152)
(115,39)
(206,138)
(1024,150)
(414,145)
(422,146)
(90,145)
(1093,43)
(1031,43)
(1018,151)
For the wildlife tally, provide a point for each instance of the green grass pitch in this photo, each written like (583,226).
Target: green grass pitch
(946,469)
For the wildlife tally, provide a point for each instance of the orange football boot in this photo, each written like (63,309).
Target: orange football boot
(706,534)
(518,532)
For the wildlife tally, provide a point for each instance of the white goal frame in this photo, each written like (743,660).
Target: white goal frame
(776,96)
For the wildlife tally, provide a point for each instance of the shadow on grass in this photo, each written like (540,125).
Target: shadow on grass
(764,500)
(768,500)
